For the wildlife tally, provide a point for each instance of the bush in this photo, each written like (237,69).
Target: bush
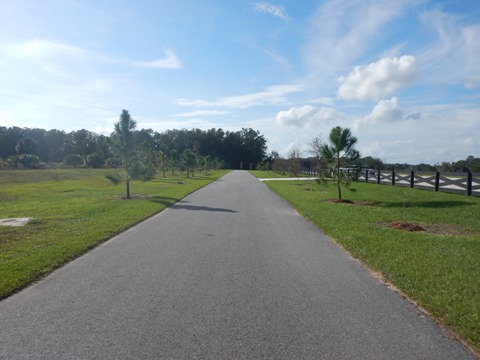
(95,160)
(25,161)
(113,162)
(142,171)
(73,160)
(114,178)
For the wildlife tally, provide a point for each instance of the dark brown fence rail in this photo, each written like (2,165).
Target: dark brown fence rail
(459,183)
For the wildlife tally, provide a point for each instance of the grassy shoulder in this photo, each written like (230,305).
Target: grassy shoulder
(265,174)
(74,211)
(438,268)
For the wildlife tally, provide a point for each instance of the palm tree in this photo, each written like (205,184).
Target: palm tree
(124,142)
(340,152)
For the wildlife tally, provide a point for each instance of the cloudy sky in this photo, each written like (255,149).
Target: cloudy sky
(403,75)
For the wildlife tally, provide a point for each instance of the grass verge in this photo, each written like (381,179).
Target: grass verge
(438,268)
(74,211)
(265,174)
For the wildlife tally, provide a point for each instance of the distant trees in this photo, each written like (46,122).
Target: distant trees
(213,148)
(372,163)
(231,149)
(294,161)
(316,150)
(26,145)
(340,152)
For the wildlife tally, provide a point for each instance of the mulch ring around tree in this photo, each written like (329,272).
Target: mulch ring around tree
(437,229)
(135,197)
(406,226)
(350,202)
(341,201)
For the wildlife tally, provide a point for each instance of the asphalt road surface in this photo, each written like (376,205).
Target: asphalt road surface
(230,272)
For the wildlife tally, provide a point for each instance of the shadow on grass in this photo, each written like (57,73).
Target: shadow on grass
(164,200)
(429,204)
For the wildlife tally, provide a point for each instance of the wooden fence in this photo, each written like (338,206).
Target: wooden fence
(460,183)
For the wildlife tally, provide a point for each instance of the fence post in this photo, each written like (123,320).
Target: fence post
(412,179)
(469,183)
(378,176)
(393,177)
(437,180)
(366,175)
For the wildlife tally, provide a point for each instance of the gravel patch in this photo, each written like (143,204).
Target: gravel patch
(15,221)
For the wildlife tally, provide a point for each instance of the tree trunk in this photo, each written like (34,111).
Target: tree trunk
(128,188)
(338,177)
(339,189)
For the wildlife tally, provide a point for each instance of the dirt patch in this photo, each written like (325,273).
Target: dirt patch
(350,202)
(364,203)
(15,221)
(447,229)
(338,201)
(436,229)
(135,197)
(406,226)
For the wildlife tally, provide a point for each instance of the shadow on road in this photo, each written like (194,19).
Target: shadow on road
(200,208)
(164,200)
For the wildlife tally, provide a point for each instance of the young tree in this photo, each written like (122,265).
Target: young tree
(163,158)
(143,162)
(316,150)
(340,152)
(173,160)
(294,164)
(123,142)
(190,160)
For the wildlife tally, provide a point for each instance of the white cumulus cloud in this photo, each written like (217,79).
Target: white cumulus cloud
(386,111)
(306,116)
(378,80)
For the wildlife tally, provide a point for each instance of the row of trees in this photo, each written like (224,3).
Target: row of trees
(32,148)
(328,158)
(295,161)
(339,152)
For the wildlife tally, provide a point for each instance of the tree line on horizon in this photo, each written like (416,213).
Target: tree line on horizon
(315,160)
(294,162)
(39,148)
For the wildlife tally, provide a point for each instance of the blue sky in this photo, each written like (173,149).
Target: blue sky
(403,75)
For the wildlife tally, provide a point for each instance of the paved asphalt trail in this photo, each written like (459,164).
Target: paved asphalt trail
(230,272)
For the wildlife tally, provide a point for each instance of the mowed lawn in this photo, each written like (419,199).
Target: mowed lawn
(438,268)
(74,211)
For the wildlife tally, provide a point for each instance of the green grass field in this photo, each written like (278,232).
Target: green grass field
(74,211)
(439,268)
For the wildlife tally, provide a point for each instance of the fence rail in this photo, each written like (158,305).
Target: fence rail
(460,183)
